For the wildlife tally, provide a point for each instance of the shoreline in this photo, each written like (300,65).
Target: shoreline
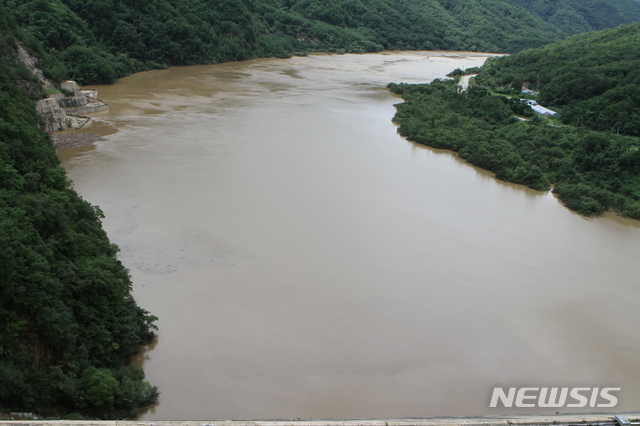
(75,140)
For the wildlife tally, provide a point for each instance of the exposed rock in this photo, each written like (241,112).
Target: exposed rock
(70,86)
(58,111)
(74,140)
(71,107)
(31,62)
(53,116)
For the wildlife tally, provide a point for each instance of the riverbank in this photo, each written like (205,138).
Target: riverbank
(561,419)
(74,140)
(358,293)
(482,130)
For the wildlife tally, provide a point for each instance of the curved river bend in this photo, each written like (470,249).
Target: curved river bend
(306,261)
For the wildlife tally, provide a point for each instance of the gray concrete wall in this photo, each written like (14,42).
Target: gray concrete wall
(87,109)
(72,101)
(556,420)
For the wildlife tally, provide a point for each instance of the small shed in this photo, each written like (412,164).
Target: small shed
(544,111)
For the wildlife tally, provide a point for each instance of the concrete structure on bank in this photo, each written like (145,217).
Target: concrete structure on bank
(53,116)
(62,111)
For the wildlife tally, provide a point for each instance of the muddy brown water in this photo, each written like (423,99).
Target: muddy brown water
(306,261)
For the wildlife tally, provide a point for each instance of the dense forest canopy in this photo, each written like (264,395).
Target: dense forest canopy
(579,16)
(68,322)
(592,172)
(100,40)
(592,78)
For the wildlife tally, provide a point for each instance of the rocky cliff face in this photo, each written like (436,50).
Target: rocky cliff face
(31,62)
(53,116)
(58,111)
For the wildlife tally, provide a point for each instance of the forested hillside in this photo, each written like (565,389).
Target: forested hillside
(579,16)
(593,79)
(480,25)
(100,40)
(68,322)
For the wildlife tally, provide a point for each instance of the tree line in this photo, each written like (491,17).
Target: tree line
(593,79)
(590,171)
(68,322)
(97,41)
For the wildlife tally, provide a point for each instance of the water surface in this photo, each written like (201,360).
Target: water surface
(306,261)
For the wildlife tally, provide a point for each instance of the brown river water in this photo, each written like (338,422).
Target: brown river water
(306,261)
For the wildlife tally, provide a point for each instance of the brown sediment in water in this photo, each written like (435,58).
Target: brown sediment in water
(306,261)
(74,140)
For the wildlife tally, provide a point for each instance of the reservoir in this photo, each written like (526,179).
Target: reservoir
(305,261)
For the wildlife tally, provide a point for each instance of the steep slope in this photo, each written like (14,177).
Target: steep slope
(488,25)
(593,78)
(100,40)
(578,16)
(497,26)
(68,322)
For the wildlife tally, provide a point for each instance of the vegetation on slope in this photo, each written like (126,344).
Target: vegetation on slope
(68,322)
(591,171)
(100,40)
(579,16)
(592,78)
(479,25)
